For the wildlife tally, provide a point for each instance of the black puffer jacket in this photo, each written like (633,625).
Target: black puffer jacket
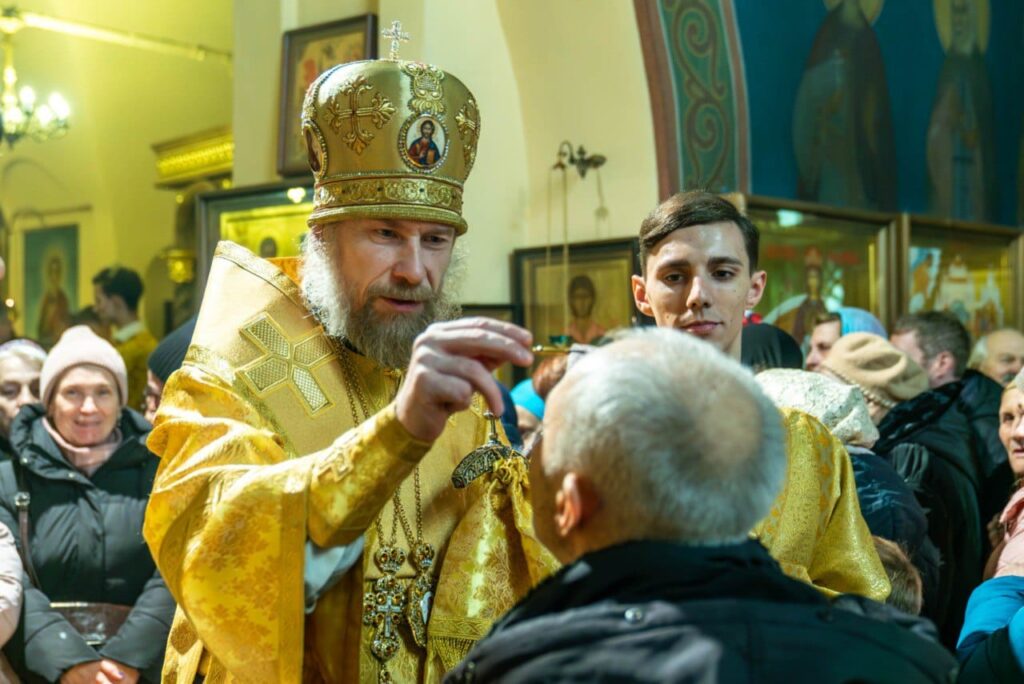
(930,442)
(6,450)
(663,612)
(86,545)
(893,512)
(978,400)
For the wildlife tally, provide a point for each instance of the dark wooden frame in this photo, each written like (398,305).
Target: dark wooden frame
(612,247)
(505,373)
(210,206)
(886,241)
(492,311)
(366,23)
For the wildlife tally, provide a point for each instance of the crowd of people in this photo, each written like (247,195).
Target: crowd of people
(81,599)
(898,458)
(307,482)
(932,428)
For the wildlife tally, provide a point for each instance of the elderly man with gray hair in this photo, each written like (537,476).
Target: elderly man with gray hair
(659,455)
(999,355)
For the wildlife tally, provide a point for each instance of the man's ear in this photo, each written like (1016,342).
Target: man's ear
(576,502)
(944,364)
(640,296)
(758,281)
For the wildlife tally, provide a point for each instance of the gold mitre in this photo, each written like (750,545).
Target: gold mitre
(389,139)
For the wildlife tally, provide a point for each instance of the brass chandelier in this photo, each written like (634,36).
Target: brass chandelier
(23,116)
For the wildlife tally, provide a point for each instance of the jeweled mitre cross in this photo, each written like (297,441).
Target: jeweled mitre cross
(397,37)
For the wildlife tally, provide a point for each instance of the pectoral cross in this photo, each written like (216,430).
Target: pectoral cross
(397,37)
(381,608)
(390,610)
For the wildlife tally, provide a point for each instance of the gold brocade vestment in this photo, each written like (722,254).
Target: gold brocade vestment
(815,529)
(259,454)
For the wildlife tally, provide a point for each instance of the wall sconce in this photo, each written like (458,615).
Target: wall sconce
(181,265)
(10,310)
(579,159)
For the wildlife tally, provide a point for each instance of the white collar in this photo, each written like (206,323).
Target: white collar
(129,331)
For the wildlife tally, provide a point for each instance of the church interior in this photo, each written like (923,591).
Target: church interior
(712,369)
(878,146)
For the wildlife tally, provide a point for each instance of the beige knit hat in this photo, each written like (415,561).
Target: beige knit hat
(883,373)
(79,346)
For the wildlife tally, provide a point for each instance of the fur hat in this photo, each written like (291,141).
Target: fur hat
(80,346)
(883,373)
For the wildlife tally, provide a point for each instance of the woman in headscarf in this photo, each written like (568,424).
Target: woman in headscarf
(831,326)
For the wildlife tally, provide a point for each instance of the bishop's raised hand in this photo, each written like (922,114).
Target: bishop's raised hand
(452,361)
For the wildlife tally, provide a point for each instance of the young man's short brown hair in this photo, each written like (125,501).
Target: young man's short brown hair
(695,208)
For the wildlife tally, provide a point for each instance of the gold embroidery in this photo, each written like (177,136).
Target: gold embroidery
(427,95)
(386,602)
(216,367)
(428,192)
(309,102)
(468,123)
(379,111)
(814,529)
(262,269)
(241,525)
(286,362)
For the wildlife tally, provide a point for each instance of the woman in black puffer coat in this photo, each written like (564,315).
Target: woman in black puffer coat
(81,459)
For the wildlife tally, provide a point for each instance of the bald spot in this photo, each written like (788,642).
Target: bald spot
(720,417)
(1007,339)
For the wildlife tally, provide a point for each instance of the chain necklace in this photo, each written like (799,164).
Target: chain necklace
(391,598)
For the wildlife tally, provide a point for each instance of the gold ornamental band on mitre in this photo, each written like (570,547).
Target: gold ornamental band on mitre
(416,199)
(390,139)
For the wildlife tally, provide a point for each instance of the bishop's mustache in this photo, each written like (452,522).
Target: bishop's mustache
(413,293)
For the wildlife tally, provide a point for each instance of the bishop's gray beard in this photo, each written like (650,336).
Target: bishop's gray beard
(386,338)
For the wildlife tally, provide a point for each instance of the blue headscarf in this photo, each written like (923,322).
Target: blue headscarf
(853,320)
(524,395)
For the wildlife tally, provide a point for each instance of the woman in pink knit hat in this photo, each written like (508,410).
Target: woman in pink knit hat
(75,493)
